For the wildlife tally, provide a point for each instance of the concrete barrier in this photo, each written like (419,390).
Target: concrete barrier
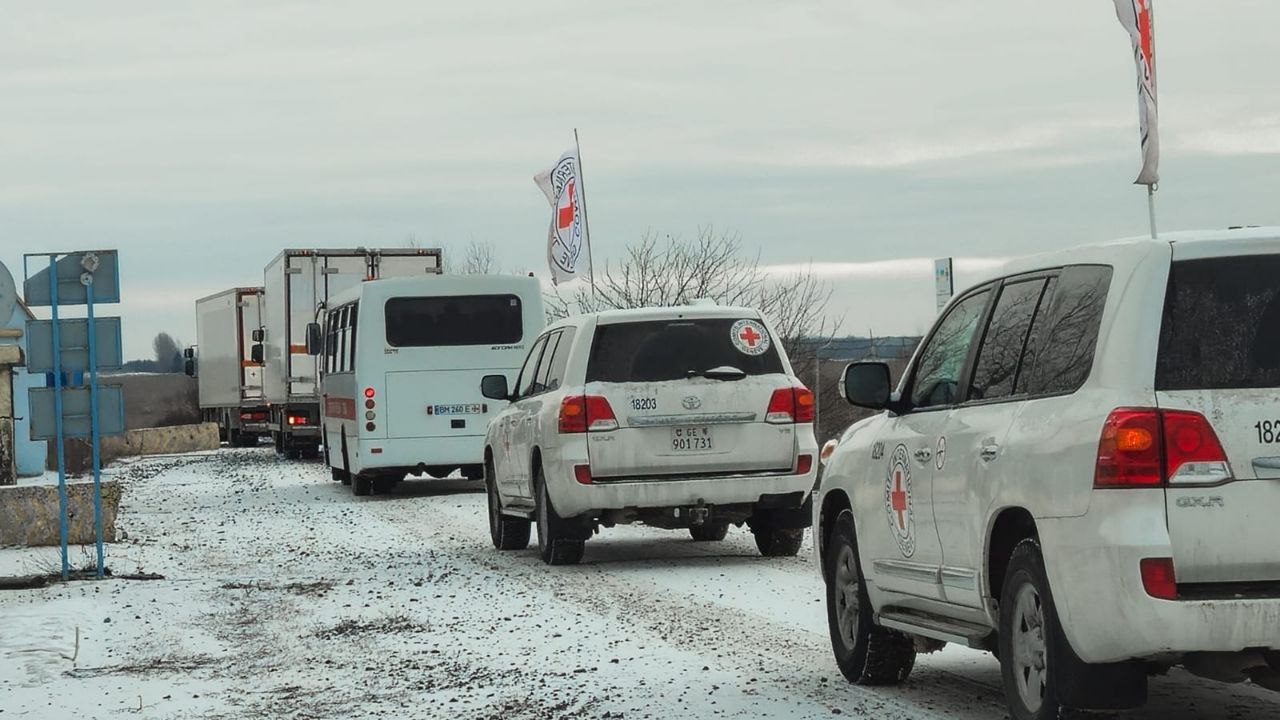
(29,514)
(146,441)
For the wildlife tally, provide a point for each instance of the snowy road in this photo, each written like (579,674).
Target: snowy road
(287,597)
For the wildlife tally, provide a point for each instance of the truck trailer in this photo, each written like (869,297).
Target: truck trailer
(298,284)
(228,378)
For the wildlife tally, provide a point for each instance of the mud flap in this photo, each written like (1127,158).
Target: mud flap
(1113,686)
(786,517)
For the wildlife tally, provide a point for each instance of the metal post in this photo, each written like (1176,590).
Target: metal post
(586,225)
(1151,209)
(57,411)
(93,424)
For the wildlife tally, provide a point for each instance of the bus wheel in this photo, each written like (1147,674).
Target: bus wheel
(361,484)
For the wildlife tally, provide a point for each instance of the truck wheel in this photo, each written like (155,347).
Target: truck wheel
(361,484)
(709,532)
(777,542)
(507,533)
(556,543)
(866,653)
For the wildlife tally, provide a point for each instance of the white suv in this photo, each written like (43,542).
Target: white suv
(686,417)
(1080,471)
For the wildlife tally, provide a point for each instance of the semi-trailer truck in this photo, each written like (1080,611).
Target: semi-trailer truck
(228,378)
(298,284)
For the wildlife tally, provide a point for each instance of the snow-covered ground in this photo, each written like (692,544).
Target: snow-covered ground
(286,597)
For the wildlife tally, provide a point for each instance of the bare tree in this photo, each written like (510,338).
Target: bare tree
(677,271)
(480,258)
(168,353)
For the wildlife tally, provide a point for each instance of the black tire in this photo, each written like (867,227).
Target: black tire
(506,532)
(558,544)
(339,475)
(361,484)
(1062,681)
(866,653)
(709,532)
(778,542)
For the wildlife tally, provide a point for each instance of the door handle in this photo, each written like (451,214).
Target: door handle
(923,455)
(989,452)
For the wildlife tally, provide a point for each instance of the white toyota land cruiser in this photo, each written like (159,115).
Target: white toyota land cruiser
(686,417)
(1080,471)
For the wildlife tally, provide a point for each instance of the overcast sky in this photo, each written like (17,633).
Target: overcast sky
(201,138)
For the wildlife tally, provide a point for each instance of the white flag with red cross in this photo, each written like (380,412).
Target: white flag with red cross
(1138,19)
(568,247)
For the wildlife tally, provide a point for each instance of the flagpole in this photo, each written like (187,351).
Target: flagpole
(586,224)
(1155,91)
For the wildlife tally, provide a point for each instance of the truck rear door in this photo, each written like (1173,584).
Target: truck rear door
(1219,357)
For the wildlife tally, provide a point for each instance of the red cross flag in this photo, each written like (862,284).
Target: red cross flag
(1138,19)
(568,246)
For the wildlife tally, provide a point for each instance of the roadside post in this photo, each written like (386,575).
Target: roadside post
(944,284)
(73,351)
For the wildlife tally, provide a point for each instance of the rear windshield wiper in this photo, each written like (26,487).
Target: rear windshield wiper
(723,372)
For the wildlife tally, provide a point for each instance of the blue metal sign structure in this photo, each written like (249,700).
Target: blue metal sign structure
(77,278)
(74,338)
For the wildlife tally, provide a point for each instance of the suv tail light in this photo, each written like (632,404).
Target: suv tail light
(586,413)
(1158,578)
(1147,447)
(790,405)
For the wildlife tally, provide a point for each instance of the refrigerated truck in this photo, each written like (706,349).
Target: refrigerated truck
(298,284)
(228,379)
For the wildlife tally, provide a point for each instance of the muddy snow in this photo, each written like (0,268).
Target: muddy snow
(285,597)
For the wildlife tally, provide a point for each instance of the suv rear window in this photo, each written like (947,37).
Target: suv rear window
(1221,325)
(454,320)
(659,350)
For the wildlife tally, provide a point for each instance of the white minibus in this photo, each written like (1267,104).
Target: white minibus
(400,365)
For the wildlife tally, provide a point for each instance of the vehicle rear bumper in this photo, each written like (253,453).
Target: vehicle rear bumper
(1093,567)
(412,452)
(256,427)
(573,498)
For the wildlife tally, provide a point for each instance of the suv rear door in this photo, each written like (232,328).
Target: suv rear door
(675,420)
(1219,355)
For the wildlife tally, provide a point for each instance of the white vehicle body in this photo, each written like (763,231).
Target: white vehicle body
(297,284)
(401,370)
(654,443)
(228,380)
(1015,437)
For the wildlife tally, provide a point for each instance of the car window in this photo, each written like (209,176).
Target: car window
(1219,330)
(1062,357)
(657,350)
(544,368)
(524,384)
(937,374)
(1000,355)
(554,377)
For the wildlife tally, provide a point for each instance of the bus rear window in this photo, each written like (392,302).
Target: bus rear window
(454,320)
(1221,326)
(675,349)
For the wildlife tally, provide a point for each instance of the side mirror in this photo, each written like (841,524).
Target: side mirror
(189,353)
(866,384)
(258,335)
(494,387)
(315,342)
(189,367)
(255,353)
